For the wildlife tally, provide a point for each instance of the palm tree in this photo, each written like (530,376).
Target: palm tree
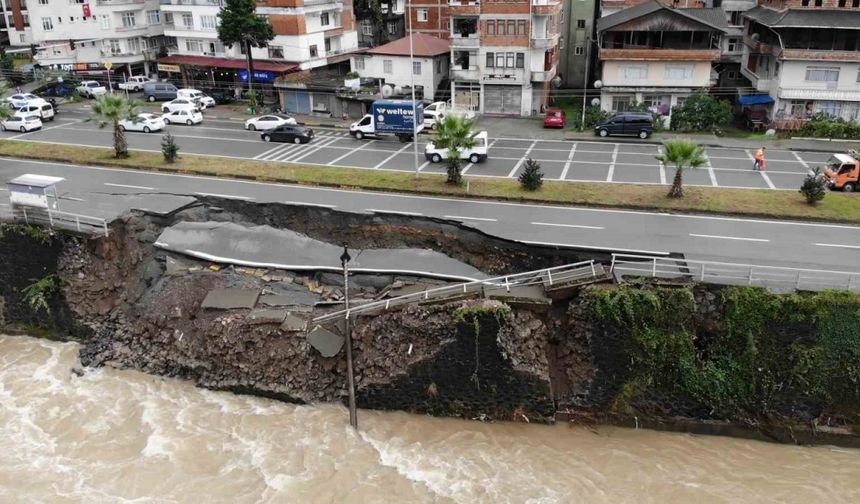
(111,109)
(682,154)
(455,133)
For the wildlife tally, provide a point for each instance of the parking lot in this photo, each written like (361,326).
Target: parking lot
(588,161)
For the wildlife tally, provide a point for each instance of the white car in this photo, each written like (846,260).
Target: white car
(183,116)
(179,104)
(476,154)
(91,89)
(268,121)
(135,83)
(19,100)
(143,122)
(195,95)
(22,124)
(44,110)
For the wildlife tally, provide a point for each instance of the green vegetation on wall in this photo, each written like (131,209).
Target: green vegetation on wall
(767,355)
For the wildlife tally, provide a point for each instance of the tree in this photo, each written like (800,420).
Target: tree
(531,178)
(7,63)
(169,149)
(111,109)
(701,112)
(241,25)
(454,132)
(5,112)
(377,11)
(682,154)
(814,186)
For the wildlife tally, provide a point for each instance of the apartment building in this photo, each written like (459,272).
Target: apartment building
(308,34)
(82,35)
(504,55)
(393,25)
(577,44)
(804,55)
(431,17)
(657,54)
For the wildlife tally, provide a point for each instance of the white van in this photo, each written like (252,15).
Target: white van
(40,108)
(196,95)
(476,154)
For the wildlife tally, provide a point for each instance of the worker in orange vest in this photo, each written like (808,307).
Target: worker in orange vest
(759,163)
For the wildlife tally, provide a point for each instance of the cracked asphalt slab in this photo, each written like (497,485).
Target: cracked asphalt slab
(589,161)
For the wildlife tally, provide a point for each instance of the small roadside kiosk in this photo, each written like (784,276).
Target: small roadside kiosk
(36,194)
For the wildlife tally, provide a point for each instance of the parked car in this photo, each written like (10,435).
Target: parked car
(21,99)
(199,96)
(288,133)
(135,83)
(183,116)
(91,89)
(159,91)
(268,121)
(476,154)
(61,89)
(143,122)
(627,123)
(554,118)
(180,104)
(21,123)
(221,96)
(42,109)
(437,111)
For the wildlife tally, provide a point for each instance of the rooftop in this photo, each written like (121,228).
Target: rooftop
(805,18)
(713,18)
(422,45)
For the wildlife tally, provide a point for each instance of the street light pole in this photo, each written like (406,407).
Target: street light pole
(412,75)
(353,414)
(588,43)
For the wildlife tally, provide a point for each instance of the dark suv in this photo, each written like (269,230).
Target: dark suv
(627,123)
(288,133)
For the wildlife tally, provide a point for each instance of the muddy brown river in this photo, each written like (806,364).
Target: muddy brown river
(120,437)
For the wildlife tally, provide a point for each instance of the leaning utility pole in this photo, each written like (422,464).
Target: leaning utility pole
(353,414)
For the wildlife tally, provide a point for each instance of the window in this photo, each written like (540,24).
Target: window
(47,24)
(416,68)
(133,45)
(634,72)
(59,20)
(731,75)
(500,60)
(855,3)
(43,2)
(509,60)
(392,28)
(804,3)
(104,20)
(679,72)
(818,3)
(831,108)
(187,20)
(192,45)
(313,51)
(71,19)
(500,28)
(842,3)
(387,66)
(128,19)
(276,52)
(366,29)
(491,27)
(422,15)
(324,20)
(521,60)
(358,63)
(733,45)
(621,103)
(209,22)
(521,27)
(327,45)
(491,61)
(512,27)
(580,24)
(22,37)
(113,46)
(736,18)
(858,75)
(822,74)
(153,17)
(437,65)
(578,50)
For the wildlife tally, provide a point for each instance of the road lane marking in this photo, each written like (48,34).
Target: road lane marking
(351,152)
(225,196)
(522,160)
(392,156)
(595,247)
(579,226)
(265,154)
(43,129)
(398,212)
(767,179)
(711,174)
(837,245)
(804,163)
(71,198)
(423,165)
(661,167)
(462,217)
(322,205)
(142,188)
(308,152)
(568,162)
(738,238)
(612,165)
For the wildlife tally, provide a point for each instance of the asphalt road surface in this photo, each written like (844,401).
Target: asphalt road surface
(106,192)
(597,161)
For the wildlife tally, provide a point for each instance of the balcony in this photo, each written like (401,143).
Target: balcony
(545,42)
(467,74)
(546,7)
(759,47)
(818,56)
(544,76)
(209,3)
(464,7)
(118,2)
(127,29)
(471,41)
(660,54)
(503,75)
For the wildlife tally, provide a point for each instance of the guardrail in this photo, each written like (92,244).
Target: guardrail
(558,275)
(56,219)
(724,273)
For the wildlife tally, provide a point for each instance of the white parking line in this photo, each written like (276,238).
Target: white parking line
(312,150)
(471,164)
(423,165)
(739,238)
(266,154)
(398,212)
(612,165)
(661,167)
(43,129)
(837,245)
(522,160)
(353,151)
(462,217)
(225,196)
(568,162)
(804,163)
(711,173)
(392,156)
(142,188)
(767,179)
(578,226)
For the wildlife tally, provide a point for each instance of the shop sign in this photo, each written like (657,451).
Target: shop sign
(259,76)
(163,67)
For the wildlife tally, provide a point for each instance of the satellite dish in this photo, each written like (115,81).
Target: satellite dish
(387,91)
(595,102)
(755,36)
(598,84)
(398,89)
(556,81)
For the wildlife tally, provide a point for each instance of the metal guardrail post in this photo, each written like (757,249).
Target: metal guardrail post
(50,218)
(78,223)
(593,271)
(507,284)
(549,274)
(26,219)
(654,267)
(797,285)
(750,279)
(612,265)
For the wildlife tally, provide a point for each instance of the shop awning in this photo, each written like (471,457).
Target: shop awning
(755,100)
(209,61)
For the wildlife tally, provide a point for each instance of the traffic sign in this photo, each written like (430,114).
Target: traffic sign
(108,65)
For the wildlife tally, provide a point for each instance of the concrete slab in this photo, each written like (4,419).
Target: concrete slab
(496,167)
(590,172)
(550,155)
(550,169)
(523,144)
(230,299)
(592,157)
(595,146)
(787,181)
(324,156)
(502,152)
(636,174)
(529,296)
(632,159)
(637,149)
(294,323)
(266,316)
(409,289)
(740,179)
(327,343)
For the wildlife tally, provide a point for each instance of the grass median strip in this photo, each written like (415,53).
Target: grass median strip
(836,207)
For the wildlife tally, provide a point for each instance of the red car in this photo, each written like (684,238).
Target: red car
(554,118)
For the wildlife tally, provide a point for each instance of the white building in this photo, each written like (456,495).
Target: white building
(391,62)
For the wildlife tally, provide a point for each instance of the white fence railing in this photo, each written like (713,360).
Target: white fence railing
(733,274)
(548,277)
(56,219)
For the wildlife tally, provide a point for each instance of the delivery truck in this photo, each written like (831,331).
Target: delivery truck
(390,117)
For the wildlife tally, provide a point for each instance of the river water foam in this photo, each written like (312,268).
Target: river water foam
(120,437)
